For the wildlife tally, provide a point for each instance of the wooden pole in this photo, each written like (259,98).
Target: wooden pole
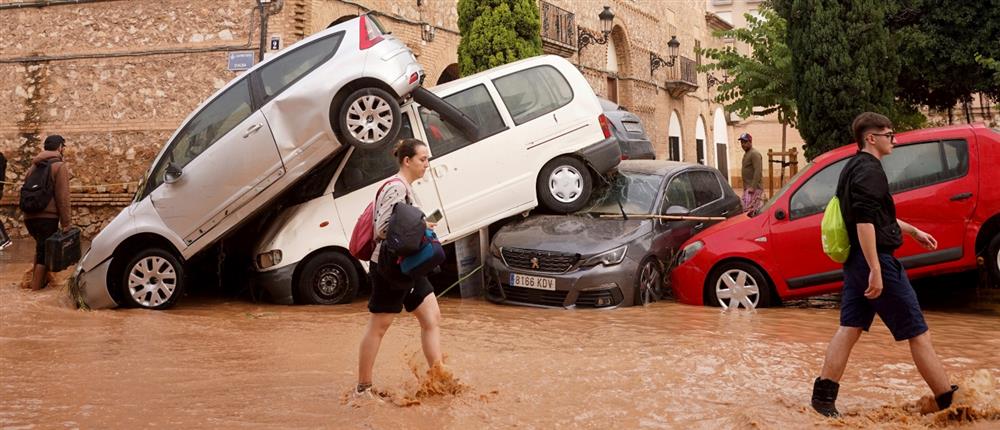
(670,217)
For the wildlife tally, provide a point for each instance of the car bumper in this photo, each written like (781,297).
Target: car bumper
(402,84)
(637,150)
(277,284)
(688,282)
(598,286)
(92,286)
(604,155)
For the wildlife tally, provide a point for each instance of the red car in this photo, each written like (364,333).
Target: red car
(945,181)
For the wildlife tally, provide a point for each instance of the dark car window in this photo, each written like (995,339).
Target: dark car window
(365,167)
(533,92)
(282,72)
(706,187)
(475,103)
(812,197)
(922,164)
(211,123)
(680,192)
(636,192)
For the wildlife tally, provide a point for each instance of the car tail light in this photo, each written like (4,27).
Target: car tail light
(413,77)
(604,125)
(370,34)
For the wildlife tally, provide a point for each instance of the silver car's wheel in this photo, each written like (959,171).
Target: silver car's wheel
(566,184)
(368,118)
(649,283)
(154,279)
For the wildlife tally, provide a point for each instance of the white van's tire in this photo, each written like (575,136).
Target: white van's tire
(152,279)
(327,278)
(564,185)
(369,118)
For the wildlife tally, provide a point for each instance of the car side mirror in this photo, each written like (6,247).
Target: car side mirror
(779,214)
(172,173)
(677,210)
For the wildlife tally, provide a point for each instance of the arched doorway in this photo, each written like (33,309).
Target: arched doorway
(617,65)
(720,134)
(699,141)
(675,150)
(449,74)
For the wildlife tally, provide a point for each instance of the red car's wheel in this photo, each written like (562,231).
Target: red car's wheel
(735,284)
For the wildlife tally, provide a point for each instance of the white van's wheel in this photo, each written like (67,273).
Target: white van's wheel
(564,185)
(369,118)
(327,278)
(154,279)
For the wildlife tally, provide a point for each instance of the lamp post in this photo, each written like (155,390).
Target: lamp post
(587,38)
(263,4)
(655,62)
(712,80)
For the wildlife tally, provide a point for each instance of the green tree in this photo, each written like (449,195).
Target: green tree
(939,41)
(497,32)
(844,62)
(760,83)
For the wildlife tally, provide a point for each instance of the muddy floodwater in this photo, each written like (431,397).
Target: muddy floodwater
(215,362)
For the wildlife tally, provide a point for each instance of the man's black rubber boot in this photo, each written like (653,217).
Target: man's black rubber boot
(944,400)
(825,397)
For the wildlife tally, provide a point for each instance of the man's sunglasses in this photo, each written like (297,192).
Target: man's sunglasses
(890,135)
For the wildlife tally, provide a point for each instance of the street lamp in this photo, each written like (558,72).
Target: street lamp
(587,38)
(712,80)
(263,26)
(655,62)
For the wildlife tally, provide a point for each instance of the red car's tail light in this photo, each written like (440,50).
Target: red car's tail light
(604,125)
(370,34)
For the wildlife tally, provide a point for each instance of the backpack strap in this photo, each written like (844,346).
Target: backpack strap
(386,183)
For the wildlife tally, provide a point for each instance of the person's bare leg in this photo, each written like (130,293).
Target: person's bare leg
(377,326)
(429,316)
(39,276)
(838,352)
(929,364)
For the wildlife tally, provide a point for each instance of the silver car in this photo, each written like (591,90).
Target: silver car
(241,148)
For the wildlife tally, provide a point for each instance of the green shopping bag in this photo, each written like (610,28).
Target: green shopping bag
(836,244)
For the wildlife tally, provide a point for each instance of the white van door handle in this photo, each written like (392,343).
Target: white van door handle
(253,129)
(440,171)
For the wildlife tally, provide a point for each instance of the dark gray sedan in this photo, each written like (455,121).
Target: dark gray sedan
(598,257)
(628,129)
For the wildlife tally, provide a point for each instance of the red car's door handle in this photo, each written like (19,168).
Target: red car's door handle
(961,196)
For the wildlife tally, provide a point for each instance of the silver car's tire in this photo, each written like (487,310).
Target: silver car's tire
(327,278)
(369,118)
(153,279)
(648,282)
(564,185)
(736,284)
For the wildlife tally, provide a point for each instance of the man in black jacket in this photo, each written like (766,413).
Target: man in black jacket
(874,280)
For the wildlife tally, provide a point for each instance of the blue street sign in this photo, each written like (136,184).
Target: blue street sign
(241,60)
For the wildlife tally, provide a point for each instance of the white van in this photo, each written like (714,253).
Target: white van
(542,140)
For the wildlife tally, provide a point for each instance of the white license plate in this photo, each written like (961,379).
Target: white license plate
(536,282)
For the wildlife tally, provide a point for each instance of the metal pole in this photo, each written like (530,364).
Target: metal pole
(263,29)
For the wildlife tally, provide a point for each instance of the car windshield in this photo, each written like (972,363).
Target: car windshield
(782,191)
(636,191)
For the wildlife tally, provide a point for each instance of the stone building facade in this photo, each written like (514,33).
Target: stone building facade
(116,77)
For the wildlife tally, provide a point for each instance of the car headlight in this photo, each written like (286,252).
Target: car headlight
(689,251)
(609,258)
(268,259)
(495,250)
